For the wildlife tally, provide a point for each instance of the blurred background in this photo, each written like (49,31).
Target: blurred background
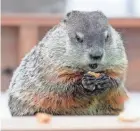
(25,22)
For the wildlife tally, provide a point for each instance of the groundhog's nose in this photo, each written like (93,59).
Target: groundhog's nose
(97,55)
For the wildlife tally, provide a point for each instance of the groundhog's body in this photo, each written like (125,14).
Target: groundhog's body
(50,77)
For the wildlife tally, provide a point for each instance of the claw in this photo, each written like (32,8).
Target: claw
(92,83)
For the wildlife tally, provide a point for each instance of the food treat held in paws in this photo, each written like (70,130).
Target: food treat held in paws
(43,118)
(97,75)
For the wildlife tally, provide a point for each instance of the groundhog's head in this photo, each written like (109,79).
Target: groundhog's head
(87,41)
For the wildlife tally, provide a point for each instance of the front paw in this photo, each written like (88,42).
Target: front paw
(89,82)
(101,83)
(105,81)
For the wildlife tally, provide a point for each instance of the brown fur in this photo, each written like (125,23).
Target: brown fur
(57,102)
(68,76)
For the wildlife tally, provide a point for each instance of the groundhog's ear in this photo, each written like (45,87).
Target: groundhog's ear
(69,15)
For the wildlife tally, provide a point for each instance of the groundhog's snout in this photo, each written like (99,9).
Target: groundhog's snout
(95,57)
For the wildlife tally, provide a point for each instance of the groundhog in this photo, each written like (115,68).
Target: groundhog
(53,77)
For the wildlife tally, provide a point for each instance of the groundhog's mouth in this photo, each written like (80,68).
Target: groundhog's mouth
(93,66)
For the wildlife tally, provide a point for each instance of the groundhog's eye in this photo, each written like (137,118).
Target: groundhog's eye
(79,37)
(106,36)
